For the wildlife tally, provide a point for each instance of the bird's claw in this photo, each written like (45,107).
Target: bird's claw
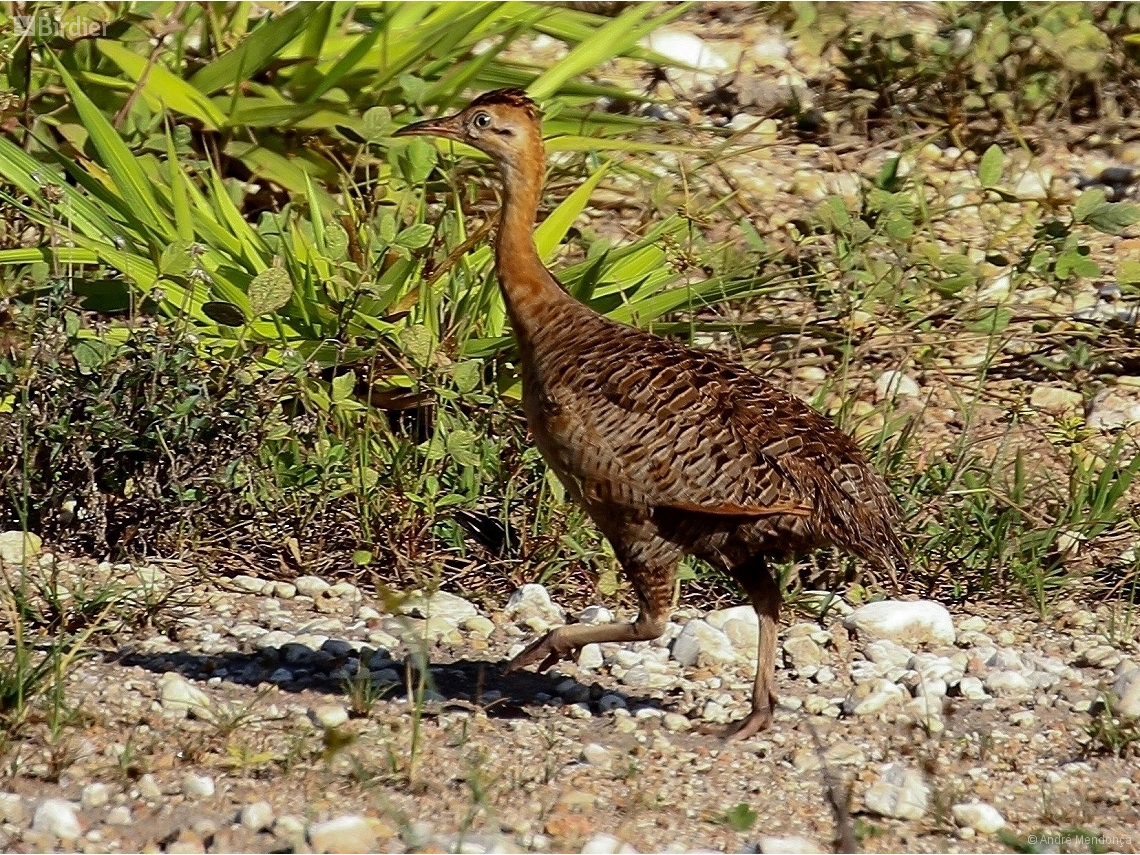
(757,720)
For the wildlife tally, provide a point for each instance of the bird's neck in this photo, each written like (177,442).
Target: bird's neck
(531,293)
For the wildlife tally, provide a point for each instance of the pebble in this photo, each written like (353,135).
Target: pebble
(257,816)
(12,808)
(590,657)
(1006,684)
(903,621)
(119,815)
(250,584)
(594,615)
(675,722)
(899,792)
(311,586)
(149,788)
(701,644)
(979,816)
(1126,688)
(605,844)
(180,696)
(16,547)
(768,845)
(199,786)
(533,601)
(801,652)
(886,652)
(95,795)
(58,818)
(345,834)
(972,689)
(1054,399)
(329,716)
(440,604)
(597,755)
(892,384)
(873,698)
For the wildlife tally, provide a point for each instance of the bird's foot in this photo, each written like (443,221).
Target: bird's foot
(551,648)
(759,719)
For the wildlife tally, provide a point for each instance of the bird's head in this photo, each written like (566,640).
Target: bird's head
(504,124)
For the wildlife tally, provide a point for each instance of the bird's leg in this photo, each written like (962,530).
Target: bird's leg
(654,590)
(764,593)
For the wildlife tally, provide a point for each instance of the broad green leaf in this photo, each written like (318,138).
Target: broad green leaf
(990,166)
(224,313)
(1113,217)
(1128,271)
(1086,203)
(253,53)
(462,446)
(414,237)
(161,88)
(549,235)
(270,290)
(130,181)
(377,123)
(343,385)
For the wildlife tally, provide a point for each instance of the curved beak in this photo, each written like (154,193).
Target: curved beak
(446,126)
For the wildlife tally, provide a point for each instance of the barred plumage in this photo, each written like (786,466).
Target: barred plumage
(671,450)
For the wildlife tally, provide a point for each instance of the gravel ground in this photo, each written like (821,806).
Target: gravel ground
(229,728)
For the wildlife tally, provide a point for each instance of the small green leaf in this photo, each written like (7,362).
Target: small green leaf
(1113,217)
(467,375)
(176,259)
(336,241)
(342,386)
(740,818)
(1075,262)
(993,321)
(221,312)
(417,343)
(377,123)
(461,445)
(414,237)
(1086,203)
(270,290)
(362,557)
(1128,271)
(990,166)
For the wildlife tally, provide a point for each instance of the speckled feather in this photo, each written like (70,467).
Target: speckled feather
(654,437)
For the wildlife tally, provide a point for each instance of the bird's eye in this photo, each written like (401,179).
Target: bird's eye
(482,120)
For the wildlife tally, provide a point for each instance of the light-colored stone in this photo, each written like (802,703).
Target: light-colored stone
(95,795)
(329,715)
(1126,688)
(1054,399)
(597,755)
(16,547)
(533,601)
(199,786)
(594,615)
(768,845)
(257,816)
(906,622)
(479,625)
(605,844)
(250,584)
(895,384)
(179,695)
(979,816)
(345,834)
(311,586)
(590,656)
(801,652)
(1113,408)
(1006,684)
(873,697)
(701,644)
(58,818)
(119,815)
(675,722)
(440,604)
(883,651)
(972,689)
(899,792)
(12,809)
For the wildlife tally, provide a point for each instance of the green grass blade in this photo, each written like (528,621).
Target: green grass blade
(549,235)
(162,89)
(254,53)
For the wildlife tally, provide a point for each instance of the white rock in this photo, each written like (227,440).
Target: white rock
(1127,691)
(1033,184)
(685,49)
(979,816)
(675,722)
(872,698)
(311,586)
(58,818)
(1111,409)
(329,715)
(119,815)
(250,584)
(899,792)
(801,652)
(16,547)
(345,834)
(883,651)
(590,657)
(700,643)
(479,625)
(895,384)
(768,845)
(972,689)
(95,795)
(1006,684)
(594,615)
(1054,399)
(903,621)
(717,619)
(605,844)
(12,808)
(533,601)
(179,695)
(440,604)
(200,786)
(597,755)
(257,816)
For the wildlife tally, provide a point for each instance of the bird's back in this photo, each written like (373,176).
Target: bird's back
(725,464)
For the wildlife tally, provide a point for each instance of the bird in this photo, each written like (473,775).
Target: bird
(671,449)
